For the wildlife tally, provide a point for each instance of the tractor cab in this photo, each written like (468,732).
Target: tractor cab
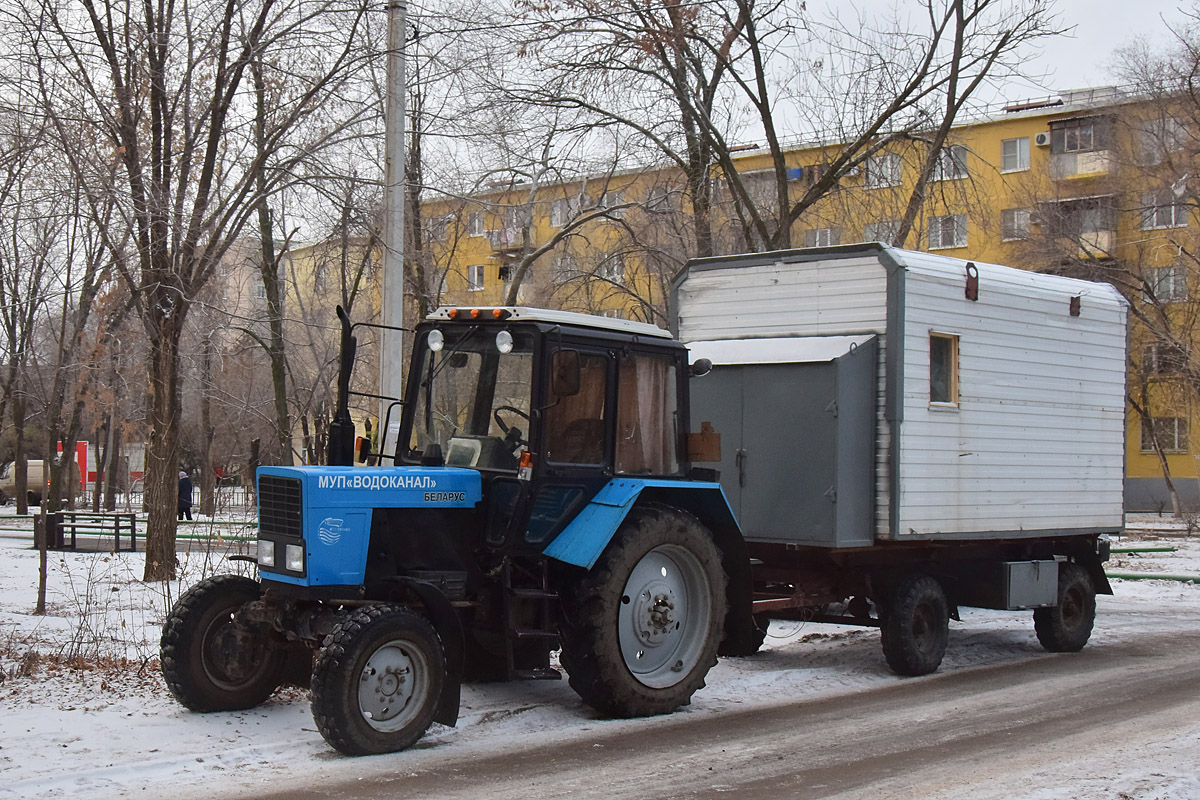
(547,405)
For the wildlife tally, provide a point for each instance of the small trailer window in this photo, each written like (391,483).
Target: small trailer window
(943,369)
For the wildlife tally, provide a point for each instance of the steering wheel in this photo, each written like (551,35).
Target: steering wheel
(504,427)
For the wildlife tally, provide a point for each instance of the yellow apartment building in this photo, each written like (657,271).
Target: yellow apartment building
(1089,183)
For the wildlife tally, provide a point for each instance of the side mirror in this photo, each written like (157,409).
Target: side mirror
(564,373)
(700,368)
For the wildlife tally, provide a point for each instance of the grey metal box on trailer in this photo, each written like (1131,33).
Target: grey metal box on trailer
(997,408)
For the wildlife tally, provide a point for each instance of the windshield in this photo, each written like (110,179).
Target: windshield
(473,399)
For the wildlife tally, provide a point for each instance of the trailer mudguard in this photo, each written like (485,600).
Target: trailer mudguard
(586,536)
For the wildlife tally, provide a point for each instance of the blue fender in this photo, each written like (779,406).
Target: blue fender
(586,536)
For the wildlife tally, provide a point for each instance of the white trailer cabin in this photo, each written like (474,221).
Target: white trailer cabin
(866,393)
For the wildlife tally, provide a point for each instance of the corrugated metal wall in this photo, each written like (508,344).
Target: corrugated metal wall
(1036,441)
(816,298)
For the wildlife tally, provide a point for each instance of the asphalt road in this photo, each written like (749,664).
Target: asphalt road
(966,733)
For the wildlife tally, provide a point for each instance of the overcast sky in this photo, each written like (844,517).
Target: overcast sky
(1101,26)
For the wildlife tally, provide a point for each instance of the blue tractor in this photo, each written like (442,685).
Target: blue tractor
(539,496)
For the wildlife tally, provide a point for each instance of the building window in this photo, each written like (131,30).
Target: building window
(1163,359)
(822,237)
(1014,224)
(1171,432)
(609,202)
(1014,154)
(560,213)
(1166,284)
(658,199)
(565,268)
(813,173)
(1163,210)
(260,291)
(882,170)
(613,313)
(883,231)
(437,229)
(948,231)
(475,278)
(943,369)
(612,269)
(951,164)
(1079,135)
(1160,137)
(475,224)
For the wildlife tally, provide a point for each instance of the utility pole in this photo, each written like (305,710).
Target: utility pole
(392,303)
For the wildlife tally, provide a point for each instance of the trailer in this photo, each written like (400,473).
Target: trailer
(894,419)
(859,435)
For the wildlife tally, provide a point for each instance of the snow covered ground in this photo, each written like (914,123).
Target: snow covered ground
(84,712)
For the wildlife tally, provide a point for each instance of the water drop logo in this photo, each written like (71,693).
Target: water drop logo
(330,531)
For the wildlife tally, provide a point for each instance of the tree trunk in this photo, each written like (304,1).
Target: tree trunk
(269,267)
(162,454)
(21,467)
(208,475)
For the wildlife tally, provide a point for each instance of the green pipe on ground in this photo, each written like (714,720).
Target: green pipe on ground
(1148,548)
(1152,576)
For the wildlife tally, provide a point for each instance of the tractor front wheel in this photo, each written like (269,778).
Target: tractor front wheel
(209,661)
(377,681)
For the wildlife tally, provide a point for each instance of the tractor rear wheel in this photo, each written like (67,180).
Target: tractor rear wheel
(211,663)
(640,630)
(377,681)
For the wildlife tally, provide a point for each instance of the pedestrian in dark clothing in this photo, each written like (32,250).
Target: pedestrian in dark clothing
(185,496)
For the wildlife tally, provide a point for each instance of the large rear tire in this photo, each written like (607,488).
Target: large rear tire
(1067,627)
(915,626)
(209,662)
(640,631)
(377,681)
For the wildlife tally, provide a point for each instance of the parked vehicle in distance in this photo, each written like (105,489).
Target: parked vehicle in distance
(36,478)
(905,434)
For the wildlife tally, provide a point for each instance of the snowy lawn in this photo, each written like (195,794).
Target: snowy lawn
(84,712)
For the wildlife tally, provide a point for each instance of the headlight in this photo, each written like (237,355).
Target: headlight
(294,558)
(266,553)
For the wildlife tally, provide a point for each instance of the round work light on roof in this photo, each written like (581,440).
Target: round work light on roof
(504,342)
(435,340)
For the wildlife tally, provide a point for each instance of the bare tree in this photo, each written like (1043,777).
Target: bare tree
(741,70)
(164,93)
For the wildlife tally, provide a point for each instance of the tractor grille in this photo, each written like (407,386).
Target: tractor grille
(279,507)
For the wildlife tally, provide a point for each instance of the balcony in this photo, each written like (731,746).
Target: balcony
(1086,164)
(1096,244)
(507,239)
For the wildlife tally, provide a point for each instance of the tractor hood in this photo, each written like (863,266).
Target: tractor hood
(324,514)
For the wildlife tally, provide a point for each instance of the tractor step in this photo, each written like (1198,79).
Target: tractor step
(533,594)
(534,633)
(538,674)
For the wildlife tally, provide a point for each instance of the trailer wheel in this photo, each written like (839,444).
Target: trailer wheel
(916,626)
(640,631)
(377,680)
(1067,627)
(209,662)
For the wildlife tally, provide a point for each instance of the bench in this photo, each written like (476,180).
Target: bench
(76,522)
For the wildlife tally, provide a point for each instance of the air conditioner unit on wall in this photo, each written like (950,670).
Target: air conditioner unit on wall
(1042,139)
